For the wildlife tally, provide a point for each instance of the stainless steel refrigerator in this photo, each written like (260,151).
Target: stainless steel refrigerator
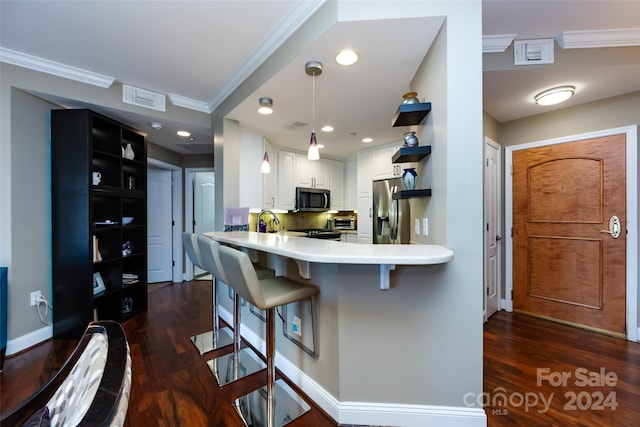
(391,218)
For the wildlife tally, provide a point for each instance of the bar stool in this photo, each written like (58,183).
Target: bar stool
(282,403)
(240,362)
(215,338)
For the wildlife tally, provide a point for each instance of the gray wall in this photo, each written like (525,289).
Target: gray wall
(25,224)
(619,111)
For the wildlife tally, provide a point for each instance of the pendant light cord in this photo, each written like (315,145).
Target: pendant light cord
(313,102)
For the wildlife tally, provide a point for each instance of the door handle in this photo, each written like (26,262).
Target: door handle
(498,238)
(614,227)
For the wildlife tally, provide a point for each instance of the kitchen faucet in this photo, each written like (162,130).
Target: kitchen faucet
(275,218)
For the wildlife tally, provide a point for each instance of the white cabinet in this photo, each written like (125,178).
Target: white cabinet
(311,173)
(351,185)
(256,189)
(349,237)
(269,179)
(383,167)
(286,191)
(336,183)
(365,202)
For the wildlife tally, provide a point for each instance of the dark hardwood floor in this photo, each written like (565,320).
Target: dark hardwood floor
(172,385)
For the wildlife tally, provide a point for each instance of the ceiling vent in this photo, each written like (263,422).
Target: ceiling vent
(144,98)
(295,125)
(533,52)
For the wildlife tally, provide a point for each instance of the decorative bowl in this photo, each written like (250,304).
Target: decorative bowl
(127,220)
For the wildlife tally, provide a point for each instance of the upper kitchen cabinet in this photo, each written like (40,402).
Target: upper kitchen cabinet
(257,189)
(311,173)
(336,183)
(383,167)
(351,185)
(286,188)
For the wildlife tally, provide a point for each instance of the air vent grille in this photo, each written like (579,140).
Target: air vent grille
(533,52)
(143,98)
(295,125)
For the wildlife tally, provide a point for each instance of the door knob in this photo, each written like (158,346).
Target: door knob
(614,227)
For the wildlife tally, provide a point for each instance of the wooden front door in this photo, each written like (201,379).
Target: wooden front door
(564,266)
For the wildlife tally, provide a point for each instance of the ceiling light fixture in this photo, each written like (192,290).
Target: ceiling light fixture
(183,133)
(554,95)
(347,57)
(367,140)
(327,128)
(265,106)
(313,68)
(156,125)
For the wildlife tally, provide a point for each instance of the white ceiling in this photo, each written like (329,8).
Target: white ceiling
(198,52)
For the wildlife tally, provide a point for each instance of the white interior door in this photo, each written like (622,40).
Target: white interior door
(203,206)
(159,226)
(493,225)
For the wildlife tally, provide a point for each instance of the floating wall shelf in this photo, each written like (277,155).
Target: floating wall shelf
(410,194)
(411,154)
(411,114)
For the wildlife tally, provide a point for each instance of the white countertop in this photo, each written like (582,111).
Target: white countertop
(335,252)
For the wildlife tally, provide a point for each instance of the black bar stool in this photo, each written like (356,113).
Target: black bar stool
(240,362)
(216,337)
(276,404)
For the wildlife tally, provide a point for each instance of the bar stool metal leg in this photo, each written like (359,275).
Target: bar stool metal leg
(275,404)
(240,362)
(217,337)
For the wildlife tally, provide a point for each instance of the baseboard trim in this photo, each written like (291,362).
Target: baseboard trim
(366,413)
(29,340)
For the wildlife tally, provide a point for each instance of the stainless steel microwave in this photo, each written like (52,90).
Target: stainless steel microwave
(312,199)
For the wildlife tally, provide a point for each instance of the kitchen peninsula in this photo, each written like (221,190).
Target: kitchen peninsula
(369,346)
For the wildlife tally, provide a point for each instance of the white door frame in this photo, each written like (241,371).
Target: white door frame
(176,206)
(631,132)
(498,226)
(188,212)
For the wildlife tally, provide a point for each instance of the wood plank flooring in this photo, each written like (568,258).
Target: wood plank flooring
(172,385)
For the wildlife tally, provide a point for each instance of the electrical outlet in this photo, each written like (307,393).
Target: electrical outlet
(417,226)
(425,226)
(35,297)
(296,326)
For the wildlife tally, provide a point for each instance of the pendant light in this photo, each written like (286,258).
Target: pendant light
(313,68)
(266,108)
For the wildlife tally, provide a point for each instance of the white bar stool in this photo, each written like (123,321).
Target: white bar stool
(240,362)
(216,337)
(276,404)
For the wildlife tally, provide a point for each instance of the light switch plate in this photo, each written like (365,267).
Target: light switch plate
(417,226)
(425,226)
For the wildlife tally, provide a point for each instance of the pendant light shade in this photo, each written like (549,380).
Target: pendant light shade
(265,167)
(314,153)
(313,68)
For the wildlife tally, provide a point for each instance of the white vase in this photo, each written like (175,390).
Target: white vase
(128,152)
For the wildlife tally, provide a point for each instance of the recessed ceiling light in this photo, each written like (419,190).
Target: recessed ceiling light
(156,125)
(554,95)
(320,146)
(367,140)
(183,133)
(327,128)
(347,57)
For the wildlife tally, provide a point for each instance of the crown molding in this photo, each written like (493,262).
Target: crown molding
(497,43)
(301,12)
(55,68)
(599,38)
(190,103)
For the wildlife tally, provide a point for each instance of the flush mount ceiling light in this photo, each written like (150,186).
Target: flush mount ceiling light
(313,68)
(554,95)
(347,57)
(183,133)
(265,106)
